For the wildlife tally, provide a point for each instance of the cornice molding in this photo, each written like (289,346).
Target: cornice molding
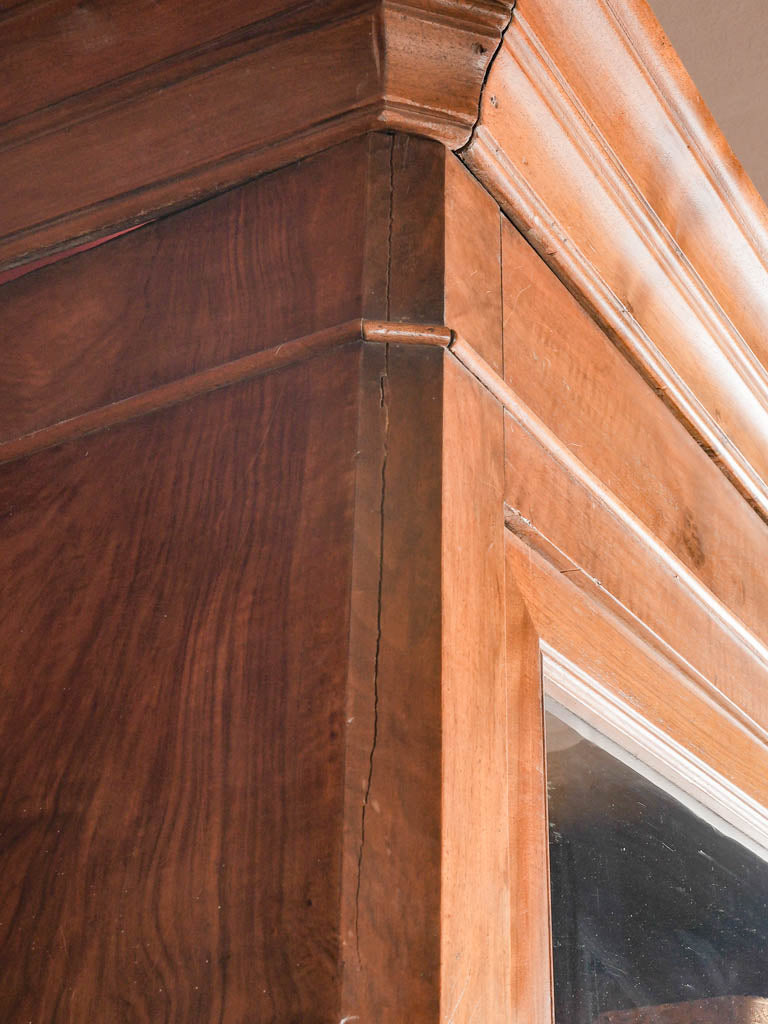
(595,142)
(162,136)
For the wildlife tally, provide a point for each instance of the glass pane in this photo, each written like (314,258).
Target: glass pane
(653,906)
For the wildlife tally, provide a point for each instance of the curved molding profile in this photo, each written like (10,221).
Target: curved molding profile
(603,717)
(595,143)
(117,138)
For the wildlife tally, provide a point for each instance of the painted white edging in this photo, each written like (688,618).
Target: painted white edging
(606,720)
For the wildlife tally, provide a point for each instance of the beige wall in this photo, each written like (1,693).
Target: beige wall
(724,45)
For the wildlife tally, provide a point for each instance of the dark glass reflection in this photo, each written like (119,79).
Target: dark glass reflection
(651,904)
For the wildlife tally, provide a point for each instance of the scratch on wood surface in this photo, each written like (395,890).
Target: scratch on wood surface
(455,1010)
(522,291)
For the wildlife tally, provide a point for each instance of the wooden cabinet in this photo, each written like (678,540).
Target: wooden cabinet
(428,382)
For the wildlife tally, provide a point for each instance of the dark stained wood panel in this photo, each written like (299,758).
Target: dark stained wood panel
(165,135)
(173,657)
(50,51)
(391,912)
(274,260)
(189,138)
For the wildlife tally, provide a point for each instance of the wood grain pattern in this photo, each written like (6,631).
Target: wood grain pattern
(479,942)
(584,630)
(390,916)
(381,226)
(175,600)
(568,372)
(51,52)
(473,263)
(281,258)
(644,583)
(445,262)
(182,389)
(417,238)
(531,938)
(574,518)
(596,145)
(230,108)
(725,1010)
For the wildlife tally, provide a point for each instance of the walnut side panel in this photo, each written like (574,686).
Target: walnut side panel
(175,602)
(231,100)
(49,55)
(391,898)
(272,261)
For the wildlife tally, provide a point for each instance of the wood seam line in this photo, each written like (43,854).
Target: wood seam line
(614,317)
(211,379)
(548,440)
(522,527)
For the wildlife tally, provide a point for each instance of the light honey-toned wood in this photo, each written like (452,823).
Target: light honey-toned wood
(445,246)
(566,370)
(596,145)
(400,372)
(574,516)
(472,263)
(479,912)
(585,631)
(530,936)
(725,1010)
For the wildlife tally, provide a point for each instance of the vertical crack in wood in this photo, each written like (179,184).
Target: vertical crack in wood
(384,404)
(384,399)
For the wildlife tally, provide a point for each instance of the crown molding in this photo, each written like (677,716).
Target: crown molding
(103,152)
(596,144)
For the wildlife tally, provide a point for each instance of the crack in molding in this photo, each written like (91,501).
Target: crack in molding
(460,151)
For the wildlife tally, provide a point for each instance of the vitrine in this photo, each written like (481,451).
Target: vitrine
(373,373)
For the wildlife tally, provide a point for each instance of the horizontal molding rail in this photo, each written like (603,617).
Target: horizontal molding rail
(211,379)
(676,570)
